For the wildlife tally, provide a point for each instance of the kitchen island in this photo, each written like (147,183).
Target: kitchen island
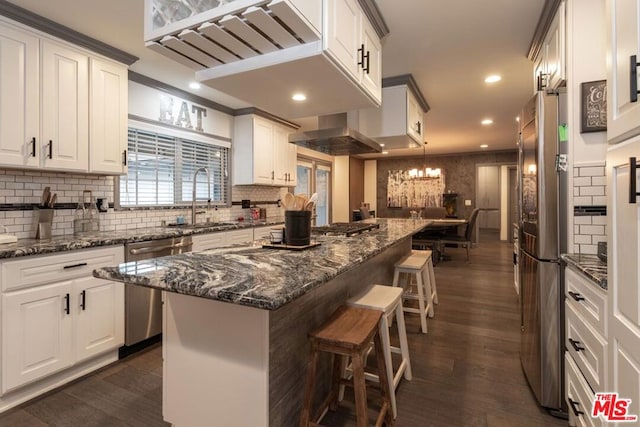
(236,356)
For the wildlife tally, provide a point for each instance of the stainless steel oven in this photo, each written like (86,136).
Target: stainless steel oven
(143,306)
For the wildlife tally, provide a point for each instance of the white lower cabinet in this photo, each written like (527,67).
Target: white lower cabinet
(53,324)
(586,358)
(220,239)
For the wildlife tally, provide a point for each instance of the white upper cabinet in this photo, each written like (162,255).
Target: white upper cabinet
(19,98)
(108,107)
(550,65)
(623,108)
(262,154)
(238,46)
(399,122)
(59,105)
(65,108)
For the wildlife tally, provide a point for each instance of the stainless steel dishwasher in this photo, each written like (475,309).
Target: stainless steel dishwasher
(143,306)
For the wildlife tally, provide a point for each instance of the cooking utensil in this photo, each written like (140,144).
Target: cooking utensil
(313,198)
(300,201)
(52,200)
(309,206)
(45,196)
(289,201)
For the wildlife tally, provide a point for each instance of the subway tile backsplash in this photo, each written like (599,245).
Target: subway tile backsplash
(25,187)
(589,201)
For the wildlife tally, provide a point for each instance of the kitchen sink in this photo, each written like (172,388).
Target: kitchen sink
(202,225)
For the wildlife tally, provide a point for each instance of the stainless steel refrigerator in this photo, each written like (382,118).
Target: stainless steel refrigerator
(542,240)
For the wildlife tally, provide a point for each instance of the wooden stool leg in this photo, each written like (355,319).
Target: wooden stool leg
(360,389)
(338,361)
(426,281)
(404,345)
(383,331)
(396,276)
(385,413)
(423,310)
(309,387)
(432,275)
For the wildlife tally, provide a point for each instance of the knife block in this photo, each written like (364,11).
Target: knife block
(43,223)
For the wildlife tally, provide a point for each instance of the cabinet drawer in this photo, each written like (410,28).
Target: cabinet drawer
(38,270)
(240,236)
(204,242)
(588,349)
(579,396)
(587,298)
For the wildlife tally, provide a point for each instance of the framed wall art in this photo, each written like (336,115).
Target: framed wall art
(594,106)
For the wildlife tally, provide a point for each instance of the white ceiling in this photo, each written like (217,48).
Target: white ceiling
(448,46)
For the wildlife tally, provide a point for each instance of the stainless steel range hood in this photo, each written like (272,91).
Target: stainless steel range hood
(334,136)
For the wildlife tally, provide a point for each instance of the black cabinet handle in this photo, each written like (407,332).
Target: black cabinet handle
(576,296)
(124,157)
(633,79)
(66,304)
(542,80)
(574,406)
(366,68)
(82,264)
(361,53)
(419,128)
(33,146)
(83,296)
(633,169)
(576,345)
(50,149)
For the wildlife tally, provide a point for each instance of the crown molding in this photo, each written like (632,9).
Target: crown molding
(407,79)
(48,26)
(371,10)
(544,22)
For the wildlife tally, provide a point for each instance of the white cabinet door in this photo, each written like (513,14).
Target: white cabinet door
(239,236)
(344,34)
(554,50)
(372,70)
(292,155)
(203,242)
(281,163)
(36,333)
(98,306)
(263,151)
(108,121)
(623,274)
(65,100)
(414,118)
(19,98)
(623,119)
(539,71)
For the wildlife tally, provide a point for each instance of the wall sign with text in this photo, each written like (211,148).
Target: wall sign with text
(594,106)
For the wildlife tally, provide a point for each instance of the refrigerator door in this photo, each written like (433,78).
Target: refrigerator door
(539,177)
(541,332)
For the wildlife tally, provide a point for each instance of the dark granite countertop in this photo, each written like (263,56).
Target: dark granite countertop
(258,277)
(590,266)
(25,247)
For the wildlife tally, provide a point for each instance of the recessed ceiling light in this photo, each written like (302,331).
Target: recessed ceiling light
(194,85)
(385,152)
(299,97)
(484,146)
(518,119)
(487,122)
(381,145)
(493,78)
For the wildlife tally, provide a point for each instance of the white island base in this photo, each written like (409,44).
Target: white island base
(231,365)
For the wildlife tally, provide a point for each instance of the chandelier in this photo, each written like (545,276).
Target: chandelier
(425,172)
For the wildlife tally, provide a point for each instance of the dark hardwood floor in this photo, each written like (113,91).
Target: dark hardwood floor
(466,370)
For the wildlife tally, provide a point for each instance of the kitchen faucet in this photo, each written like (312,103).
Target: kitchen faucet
(193,200)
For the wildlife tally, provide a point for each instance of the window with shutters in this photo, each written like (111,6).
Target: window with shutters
(161,169)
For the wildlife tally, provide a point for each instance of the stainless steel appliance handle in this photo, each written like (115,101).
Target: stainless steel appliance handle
(152,249)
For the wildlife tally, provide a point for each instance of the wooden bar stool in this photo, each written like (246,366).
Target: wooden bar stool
(387,300)
(348,332)
(432,277)
(415,266)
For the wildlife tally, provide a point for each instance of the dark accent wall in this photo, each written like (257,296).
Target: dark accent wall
(356,182)
(460,177)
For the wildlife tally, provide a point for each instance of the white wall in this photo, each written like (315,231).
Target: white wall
(371,183)
(341,210)
(586,61)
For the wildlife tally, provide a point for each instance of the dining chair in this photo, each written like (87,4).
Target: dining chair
(465,239)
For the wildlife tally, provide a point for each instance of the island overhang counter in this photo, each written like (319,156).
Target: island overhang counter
(236,354)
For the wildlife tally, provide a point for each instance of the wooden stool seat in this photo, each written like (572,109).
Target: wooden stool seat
(388,300)
(348,332)
(416,266)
